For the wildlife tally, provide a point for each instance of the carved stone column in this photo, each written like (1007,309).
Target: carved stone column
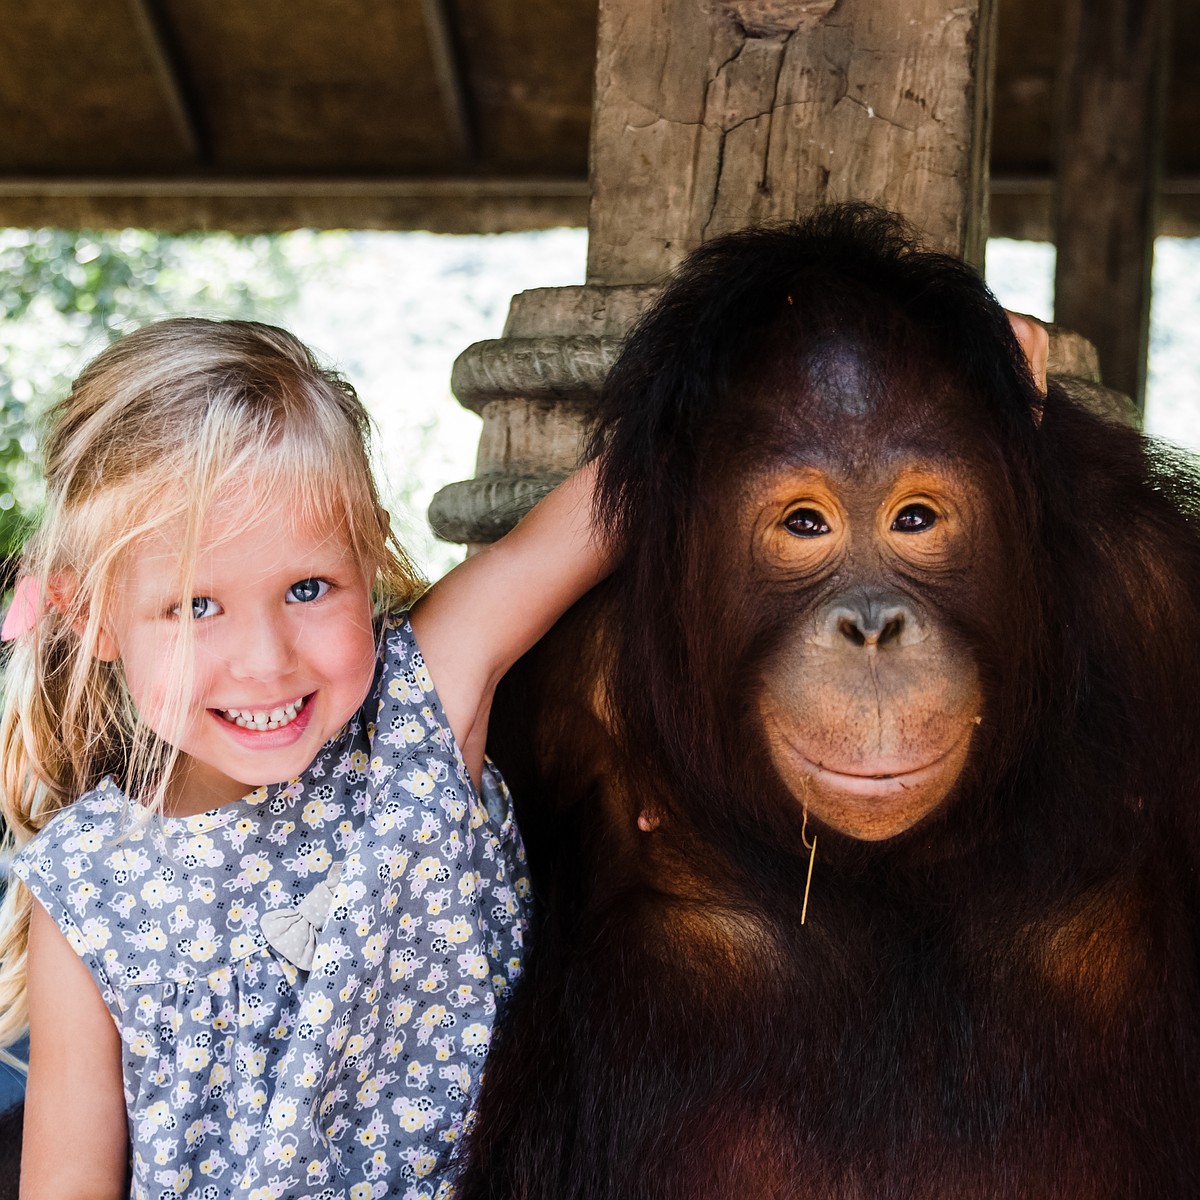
(711,115)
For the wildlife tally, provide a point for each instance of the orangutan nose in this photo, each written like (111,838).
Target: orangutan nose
(873,622)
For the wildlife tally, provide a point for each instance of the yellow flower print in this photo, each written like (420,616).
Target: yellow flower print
(373,1131)
(428,867)
(200,846)
(411,1117)
(402,1012)
(473,964)
(158,1114)
(373,949)
(241,945)
(422,1162)
(140,1044)
(475,1036)
(467,887)
(194,1058)
(317,1009)
(285,1114)
(458,930)
(76,940)
(255,868)
(435,1014)
(318,860)
(313,813)
(419,784)
(220,979)
(359,762)
(360,1191)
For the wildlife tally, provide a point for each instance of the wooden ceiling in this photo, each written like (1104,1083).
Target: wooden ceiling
(453,115)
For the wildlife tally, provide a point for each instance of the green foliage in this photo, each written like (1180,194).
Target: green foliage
(64,294)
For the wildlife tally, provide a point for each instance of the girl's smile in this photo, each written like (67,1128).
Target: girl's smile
(266,659)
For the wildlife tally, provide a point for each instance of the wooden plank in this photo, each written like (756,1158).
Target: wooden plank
(470,205)
(713,117)
(1109,164)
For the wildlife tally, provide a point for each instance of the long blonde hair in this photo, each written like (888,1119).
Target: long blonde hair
(156,428)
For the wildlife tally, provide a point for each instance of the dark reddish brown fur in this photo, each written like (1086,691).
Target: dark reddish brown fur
(1003,1001)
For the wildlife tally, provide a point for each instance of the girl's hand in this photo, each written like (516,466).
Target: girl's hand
(76,1140)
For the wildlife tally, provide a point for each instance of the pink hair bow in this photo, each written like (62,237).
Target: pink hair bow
(27,605)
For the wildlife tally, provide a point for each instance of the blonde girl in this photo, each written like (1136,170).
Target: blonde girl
(271,887)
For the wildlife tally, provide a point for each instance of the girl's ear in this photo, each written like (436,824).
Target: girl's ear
(60,594)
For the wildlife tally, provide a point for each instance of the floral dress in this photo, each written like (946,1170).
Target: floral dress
(245,1074)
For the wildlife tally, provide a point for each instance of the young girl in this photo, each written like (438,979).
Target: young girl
(274,889)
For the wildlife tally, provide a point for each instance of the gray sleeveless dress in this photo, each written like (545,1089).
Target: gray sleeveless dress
(344,1065)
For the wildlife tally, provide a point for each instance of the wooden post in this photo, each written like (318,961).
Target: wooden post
(711,115)
(1110,158)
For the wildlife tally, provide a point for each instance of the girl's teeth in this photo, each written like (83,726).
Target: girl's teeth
(277,718)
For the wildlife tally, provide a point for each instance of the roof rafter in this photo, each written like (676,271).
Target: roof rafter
(168,70)
(448,69)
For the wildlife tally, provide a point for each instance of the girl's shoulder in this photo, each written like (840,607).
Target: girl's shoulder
(95,817)
(408,715)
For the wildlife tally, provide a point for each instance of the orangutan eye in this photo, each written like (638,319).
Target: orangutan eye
(914,518)
(806,522)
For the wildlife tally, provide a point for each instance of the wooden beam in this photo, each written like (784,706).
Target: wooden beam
(448,68)
(169,70)
(1110,157)
(447,205)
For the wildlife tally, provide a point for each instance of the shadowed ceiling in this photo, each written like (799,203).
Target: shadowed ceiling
(455,115)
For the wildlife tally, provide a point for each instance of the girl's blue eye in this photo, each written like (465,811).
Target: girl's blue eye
(306,591)
(204,606)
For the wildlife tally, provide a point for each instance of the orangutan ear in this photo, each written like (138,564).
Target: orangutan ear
(1035,341)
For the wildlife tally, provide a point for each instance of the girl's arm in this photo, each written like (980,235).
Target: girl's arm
(76,1141)
(477,621)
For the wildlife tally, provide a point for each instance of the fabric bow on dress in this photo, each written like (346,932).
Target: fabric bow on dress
(293,932)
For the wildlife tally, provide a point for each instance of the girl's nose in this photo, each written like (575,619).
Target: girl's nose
(262,649)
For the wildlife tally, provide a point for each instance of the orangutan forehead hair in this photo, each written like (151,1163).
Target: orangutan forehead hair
(840,269)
